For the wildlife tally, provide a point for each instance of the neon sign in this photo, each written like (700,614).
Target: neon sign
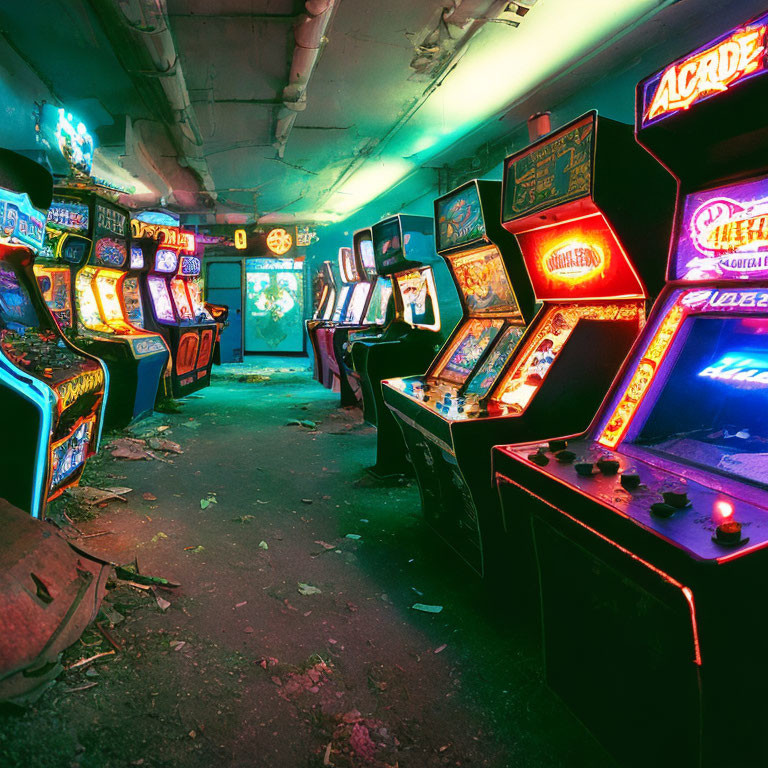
(172,237)
(20,221)
(241,239)
(74,142)
(573,261)
(743,370)
(279,241)
(707,72)
(724,233)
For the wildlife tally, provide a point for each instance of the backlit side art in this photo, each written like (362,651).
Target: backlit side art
(420,308)
(483,282)
(180,299)
(468,347)
(715,68)
(535,360)
(724,233)
(132,298)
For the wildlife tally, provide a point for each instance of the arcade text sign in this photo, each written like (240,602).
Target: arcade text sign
(552,172)
(172,237)
(715,68)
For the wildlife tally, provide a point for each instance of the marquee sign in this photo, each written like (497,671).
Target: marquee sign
(279,241)
(724,233)
(172,237)
(715,68)
(20,221)
(573,261)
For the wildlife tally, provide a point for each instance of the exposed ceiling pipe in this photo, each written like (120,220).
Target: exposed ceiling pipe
(309,36)
(148,19)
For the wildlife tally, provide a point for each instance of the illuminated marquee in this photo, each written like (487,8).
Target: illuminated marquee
(573,262)
(724,233)
(706,72)
(279,241)
(20,221)
(110,220)
(173,237)
(68,215)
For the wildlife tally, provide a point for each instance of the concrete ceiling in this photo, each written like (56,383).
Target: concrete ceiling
(205,105)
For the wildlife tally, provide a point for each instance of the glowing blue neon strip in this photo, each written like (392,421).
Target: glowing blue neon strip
(103,401)
(43,399)
(740,369)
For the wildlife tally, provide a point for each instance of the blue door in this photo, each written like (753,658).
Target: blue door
(223,285)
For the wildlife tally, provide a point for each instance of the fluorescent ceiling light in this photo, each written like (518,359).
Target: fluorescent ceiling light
(500,66)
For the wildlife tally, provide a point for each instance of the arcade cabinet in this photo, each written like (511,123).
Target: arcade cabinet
(88,235)
(220,315)
(174,307)
(651,535)
(448,404)
(323,311)
(52,395)
(332,337)
(426,310)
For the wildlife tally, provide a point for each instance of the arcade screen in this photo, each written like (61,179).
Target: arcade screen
(485,376)
(161,299)
(710,410)
(483,281)
(16,307)
(467,349)
(87,306)
(419,298)
(387,245)
(357,303)
(56,287)
(341,303)
(111,252)
(166,260)
(181,300)
(366,255)
(459,218)
(105,283)
(377,308)
(132,299)
(198,309)
(329,306)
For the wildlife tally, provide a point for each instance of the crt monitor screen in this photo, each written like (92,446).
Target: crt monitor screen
(338,310)
(467,349)
(417,289)
(357,303)
(485,376)
(16,307)
(711,407)
(377,307)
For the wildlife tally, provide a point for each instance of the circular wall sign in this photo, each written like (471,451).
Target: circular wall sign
(279,241)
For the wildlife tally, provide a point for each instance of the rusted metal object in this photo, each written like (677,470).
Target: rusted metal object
(48,595)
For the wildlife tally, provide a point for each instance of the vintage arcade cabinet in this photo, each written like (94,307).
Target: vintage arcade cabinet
(426,309)
(88,235)
(589,251)
(332,337)
(651,534)
(175,310)
(322,340)
(447,405)
(52,395)
(326,301)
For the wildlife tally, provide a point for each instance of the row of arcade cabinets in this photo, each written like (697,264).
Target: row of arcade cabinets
(424,310)
(81,274)
(562,231)
(363,307)
(171,305)
(52,394)
(651,529)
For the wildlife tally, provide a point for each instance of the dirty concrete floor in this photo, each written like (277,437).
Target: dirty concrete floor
(242,669)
